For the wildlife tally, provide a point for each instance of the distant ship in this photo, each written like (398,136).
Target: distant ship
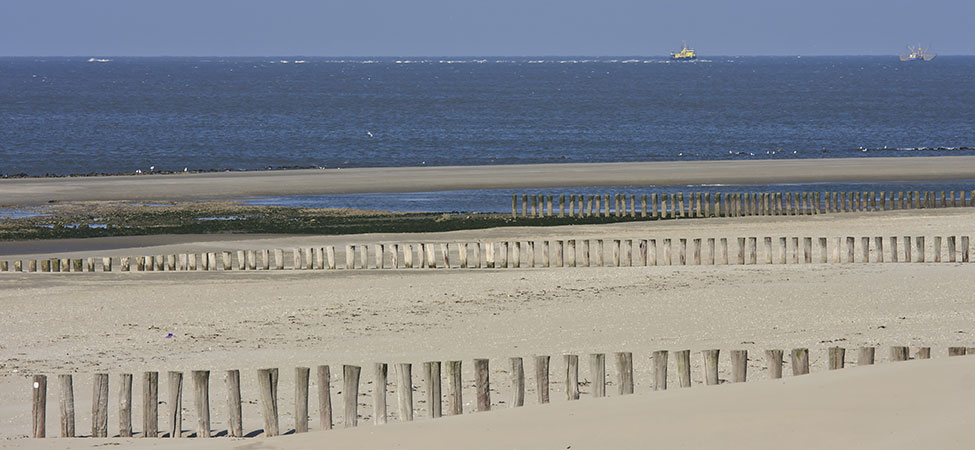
(918,54)
(685,54)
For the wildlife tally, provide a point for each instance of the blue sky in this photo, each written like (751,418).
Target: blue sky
(472,28)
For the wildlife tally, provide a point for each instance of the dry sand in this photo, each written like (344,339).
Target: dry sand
(234,185)
(117,323)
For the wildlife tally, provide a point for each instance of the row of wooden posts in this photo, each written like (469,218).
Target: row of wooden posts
(707,204)
(267,381)
(553,253)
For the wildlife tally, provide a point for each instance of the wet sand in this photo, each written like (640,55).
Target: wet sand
(235,185)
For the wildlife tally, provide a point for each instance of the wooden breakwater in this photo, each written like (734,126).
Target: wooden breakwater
(558,253)
(594,383)
(739,204)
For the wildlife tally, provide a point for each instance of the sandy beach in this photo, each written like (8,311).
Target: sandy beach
(118,323)
(235,185)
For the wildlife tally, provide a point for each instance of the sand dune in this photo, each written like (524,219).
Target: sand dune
(234,185)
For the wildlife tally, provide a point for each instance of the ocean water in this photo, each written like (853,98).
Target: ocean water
(72,115)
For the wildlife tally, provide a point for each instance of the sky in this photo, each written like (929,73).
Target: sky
(345,28)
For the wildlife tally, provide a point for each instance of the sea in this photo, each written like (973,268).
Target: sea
(98,115)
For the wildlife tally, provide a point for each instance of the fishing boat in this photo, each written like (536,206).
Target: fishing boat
(918,54)
(685,54)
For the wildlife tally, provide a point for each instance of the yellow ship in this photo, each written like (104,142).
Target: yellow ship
(685,54)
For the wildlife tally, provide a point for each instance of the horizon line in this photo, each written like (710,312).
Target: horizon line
(796,55)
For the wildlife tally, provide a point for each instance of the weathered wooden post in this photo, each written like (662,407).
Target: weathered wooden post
(957,351)
(823,254)
(624,370)
(865,356)
(800,361)
(667,249)
(724,251)
(267,381)
(783,250)
(643,205)
(379,393)
(235,421)
(514,206)
(66,386)
(753,250)
(431,375)
(570,253)
(773,360)
(99,406)
(651,252)
(697,251)
(571,377)
(952,253)
(919,246)
(125,406)
(541,379)
(201,390)
(517,382)
(682,251)
(660,370)
(837,356)
(683,358)
(710,259)
(302,374)
(350,394)
(404,391)
(455,400)
(741,250)
(597,370)
(850,249)
(807,250)
(965,249)
(710,366)
(739,366)
(444,255)
(39,407)
(768,249)
(899,353)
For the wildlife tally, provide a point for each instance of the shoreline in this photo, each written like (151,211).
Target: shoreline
(22,192)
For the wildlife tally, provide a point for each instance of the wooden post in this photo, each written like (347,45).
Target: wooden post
(682,251)
(404,391)
(710,259)
(957,351)
(66,386)
(923,352)
(651,252)
(379,393)
(235,424)
(482,384)
(570,253)
(865,357)
(39,407)
(514,206)
(697,251)
(837,356)
(541,378)
(965,250)
(919,246)
(597,370)
(741,250)
(952,254)
(643,205)
(907,250)
(768,249)
(201,389)
(150,404)
(266,259)
(823,255)
(302,374)
(800,361)
(711,366)
(517,382)
(660,370)
(899,353)
(267,382)
(571,377)
(323,375)
(455,400)
(125,406)
(753,250)
(724,251)
(739,366)
(350,394)
(99,406)
(431,375)
(624,371)
(683,367)
(773,360)
(667,249)
(807,250)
